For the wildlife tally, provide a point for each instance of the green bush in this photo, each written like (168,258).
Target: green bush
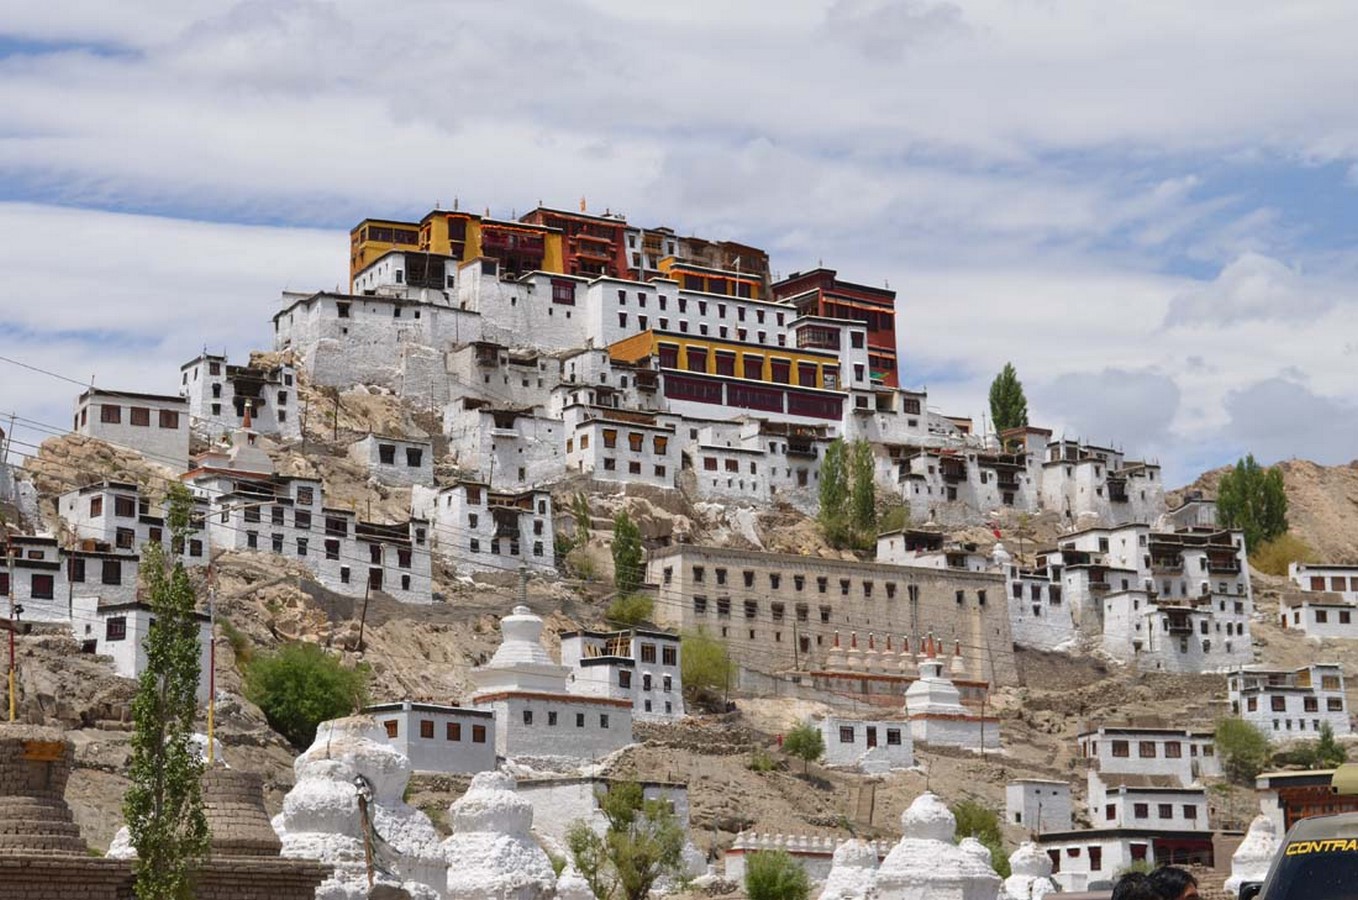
(761,760)
(631,609)
(983,823)
(240,644)
(774,875)
(1244,750)
(705,667)
(1273,557)
(806,743)
(300,686)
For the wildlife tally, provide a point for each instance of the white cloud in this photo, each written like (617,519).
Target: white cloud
(1253,286)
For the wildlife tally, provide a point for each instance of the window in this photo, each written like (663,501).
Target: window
(1310,704)
(115,629)
(624,679)
(42,587)
(112,572)
(1110,812)
(1173,750)
(698,574)
(124,507)
(669,656)
(138,415)
(478,734)
(751,609)
(1121,749)
(893,737)
(721,576)
(528,717)
(1190,811)
(454,731)
(700,606)
(169,419)
(427,729)
(1146,749)
(846,734)
(648,653)
(1165,811)
(1334,704)
(1278,703)
(1141,810)
(825,614)
(603,720)
(1095,859)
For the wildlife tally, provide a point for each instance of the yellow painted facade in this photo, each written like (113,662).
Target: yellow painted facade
(373,237)
(696,278)
(369,239)
(649,343)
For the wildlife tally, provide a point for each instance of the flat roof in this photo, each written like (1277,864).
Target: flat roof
(415,706)
(93,392)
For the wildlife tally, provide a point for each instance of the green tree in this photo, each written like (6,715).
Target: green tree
(630,609)
(863,498)
(627,572)
(983,823)
(805,742)
(834,493)
(580,512)
(774,875)
(1244,750)
(300,686)
(705,666)
(1008,405)
(163,805)
(1329,753)
(643,843)
(1252,499)
(1275,556)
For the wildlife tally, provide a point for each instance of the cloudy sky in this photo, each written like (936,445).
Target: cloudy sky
(1148,207)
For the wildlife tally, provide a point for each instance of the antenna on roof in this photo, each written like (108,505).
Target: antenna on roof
(437,205)
(582,203)
(454,202)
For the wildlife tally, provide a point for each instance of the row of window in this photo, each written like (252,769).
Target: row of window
(663,302)
(497,546)
(1150,749)
(847,735)
(798,582)
(625,681)
(552,719)
(1338,583)
(452,730)
(1278,703)
(112,414)
(1143,811)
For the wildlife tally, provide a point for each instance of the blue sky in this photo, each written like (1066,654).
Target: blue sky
(1148,208)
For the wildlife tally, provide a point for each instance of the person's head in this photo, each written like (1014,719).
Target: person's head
(1133,886)
(1173,883)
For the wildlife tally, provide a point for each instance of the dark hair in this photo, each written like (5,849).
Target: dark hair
(1171,881)
(1134,886)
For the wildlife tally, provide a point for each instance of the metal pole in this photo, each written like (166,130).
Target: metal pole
(363,616)
(9,589)
(211,666)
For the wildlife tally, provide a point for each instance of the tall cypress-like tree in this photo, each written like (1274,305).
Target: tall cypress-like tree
(626,554)
(834,491)
(863,500)
(1252,499)
(1008,405)
(164,804)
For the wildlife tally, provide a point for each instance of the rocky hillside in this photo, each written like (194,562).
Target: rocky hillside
(1322,505)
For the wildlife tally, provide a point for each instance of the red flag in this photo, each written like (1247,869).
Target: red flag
(996,532)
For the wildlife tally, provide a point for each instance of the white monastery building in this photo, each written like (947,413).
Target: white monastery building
(1291,703)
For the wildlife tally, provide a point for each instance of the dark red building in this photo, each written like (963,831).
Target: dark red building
(820,293)
(590,245)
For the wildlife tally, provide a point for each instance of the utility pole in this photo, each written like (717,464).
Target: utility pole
(9,589)
(796,665)
(211,665)
(363,616)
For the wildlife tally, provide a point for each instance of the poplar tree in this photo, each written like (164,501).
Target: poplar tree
(626,554)
(1008,405)
(834,492)
(1253,500)
(163,806)
(863,500)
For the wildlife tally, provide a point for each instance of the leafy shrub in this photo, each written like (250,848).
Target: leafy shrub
(631,609)
(983,823)
(761,760)
(1273,557)
(300,686)
(806,743)
(1244,750)
(775,875)
(705,667)
(240,644)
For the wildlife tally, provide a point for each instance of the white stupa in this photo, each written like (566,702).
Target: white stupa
(933,704)
(853,657)
(906,662)
(872,660)
(492,854)
(1030,874)
(834,659)
(853,869)
(321,817)
(521,663)
(1000,557)
(927,865)
(571,885)
(1252,858)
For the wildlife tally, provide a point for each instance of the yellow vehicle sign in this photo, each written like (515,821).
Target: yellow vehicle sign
(1327,845)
